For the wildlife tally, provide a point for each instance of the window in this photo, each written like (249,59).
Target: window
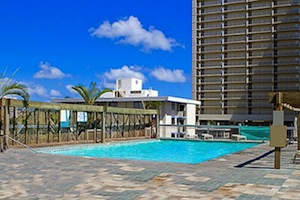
(173,121)
(173,106)
(136,92)
(113,104)
(137,104)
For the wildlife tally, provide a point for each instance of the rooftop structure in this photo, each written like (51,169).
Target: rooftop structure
(130,87)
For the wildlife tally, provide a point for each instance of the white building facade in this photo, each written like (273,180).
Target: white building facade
(177,116)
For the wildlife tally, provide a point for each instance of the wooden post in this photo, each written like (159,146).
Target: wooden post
(76,127)
(298,131)
(38,126)
(48,123)
(111,123)
(6,127)
(59,129)
(129,125)
(134,124)
(26,126)
(151,122)
(95,128)
(279,107)
(14,121)
(277,157)
(103,125)
(157,125)
(123,127)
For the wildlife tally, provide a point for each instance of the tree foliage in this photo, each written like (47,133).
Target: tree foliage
(90,94)
(152,104)
(10,87)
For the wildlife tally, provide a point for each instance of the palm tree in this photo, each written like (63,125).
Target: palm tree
(90,94)
(11,87)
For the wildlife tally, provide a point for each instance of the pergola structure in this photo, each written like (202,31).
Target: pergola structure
(291,101)
(40,123)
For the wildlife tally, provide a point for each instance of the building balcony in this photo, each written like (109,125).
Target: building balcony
(210,82)
(234,26)
(260,105)
(261,80)
(213,50)
(259,7)
(231,2)
(287,37)
(211,89)
(287,46)
(234,49)
(234,34)
(226,42)
(236,81)
(203,36)
(260,23)
(262,55)
(262,71)
(235,73)
(235,65)
(261,88)
(282,3)
(288,88)
(211,59)
(261,39)
(235,17)
(211,19)
(209,12)
(233,10)
(259,31)
(237,97)
(235,57)
(204,28)
(262,14)
(287,79)
(262,63)
(209,4)
(287,71)
(211,74)
(258,97)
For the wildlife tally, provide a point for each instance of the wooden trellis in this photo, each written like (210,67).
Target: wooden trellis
(40,123)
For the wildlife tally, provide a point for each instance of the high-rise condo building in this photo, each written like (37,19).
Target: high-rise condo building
(242,50)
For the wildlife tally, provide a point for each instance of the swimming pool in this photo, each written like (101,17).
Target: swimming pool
(191,152)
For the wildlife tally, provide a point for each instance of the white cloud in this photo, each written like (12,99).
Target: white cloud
(124,72)
(110,85)
(131,32)
(69,88)
(49,72)
(37,90)
(168,75)
(55,93)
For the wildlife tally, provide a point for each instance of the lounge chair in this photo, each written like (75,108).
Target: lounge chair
(237,137)
(206,136)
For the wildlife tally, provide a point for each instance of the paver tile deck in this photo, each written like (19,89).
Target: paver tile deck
(247,174)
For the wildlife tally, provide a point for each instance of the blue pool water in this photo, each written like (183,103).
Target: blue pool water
(191,152)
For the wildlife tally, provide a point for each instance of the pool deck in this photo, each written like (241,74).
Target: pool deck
(244,175)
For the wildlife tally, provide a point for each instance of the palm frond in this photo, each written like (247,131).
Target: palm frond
(9,87)
(90,94)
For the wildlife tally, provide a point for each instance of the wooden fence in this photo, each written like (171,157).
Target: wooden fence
(42,123)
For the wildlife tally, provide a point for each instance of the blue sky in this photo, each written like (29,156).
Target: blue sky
(59,43)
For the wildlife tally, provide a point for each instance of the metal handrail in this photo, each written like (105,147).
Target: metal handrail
(24,145)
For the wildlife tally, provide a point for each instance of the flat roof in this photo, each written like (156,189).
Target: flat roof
(130,99)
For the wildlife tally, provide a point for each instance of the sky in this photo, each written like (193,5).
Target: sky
(57,44)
